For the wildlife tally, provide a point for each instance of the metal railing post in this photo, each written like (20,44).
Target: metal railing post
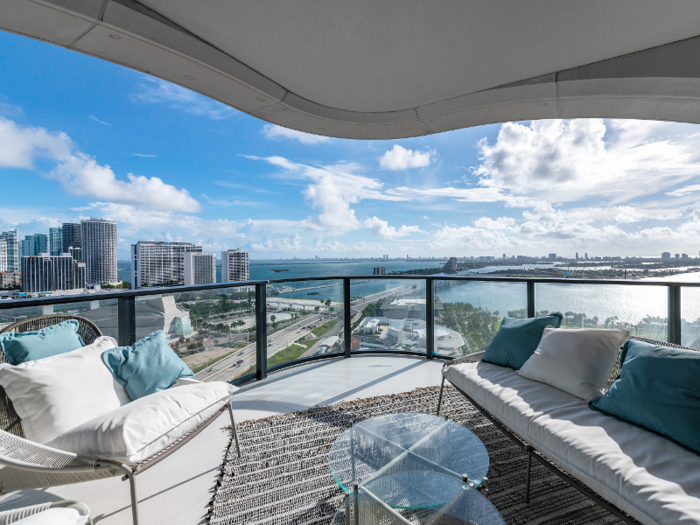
(531,312)
(261,331)
(429,317)
(347,317)
(126,320)
(674,314)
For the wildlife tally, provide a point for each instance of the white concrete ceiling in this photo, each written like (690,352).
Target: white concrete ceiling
(373,69)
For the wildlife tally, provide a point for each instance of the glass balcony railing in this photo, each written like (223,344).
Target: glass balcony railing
(238,331)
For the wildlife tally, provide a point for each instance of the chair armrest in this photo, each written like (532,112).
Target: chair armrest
(23,454)
(184,381)
(470,358)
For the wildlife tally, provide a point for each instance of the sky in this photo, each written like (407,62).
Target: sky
(81,137)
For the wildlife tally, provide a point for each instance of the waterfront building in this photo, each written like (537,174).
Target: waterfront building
(71,236)
(552,256)
(12,251)
(50,273)
(35,244)
(451,265)
(76,253)
(10,279)
(159,263)
(200,268)
(3,255)
(98,240)
(234,265)
(56,241)
(379,270)
(666,256)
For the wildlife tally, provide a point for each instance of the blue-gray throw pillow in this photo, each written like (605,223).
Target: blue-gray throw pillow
(517,339)
(658,390)
(52,340)
(146,367)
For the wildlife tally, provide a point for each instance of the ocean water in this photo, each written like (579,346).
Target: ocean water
(630,304)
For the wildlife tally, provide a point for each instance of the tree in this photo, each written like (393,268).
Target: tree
(327,302)
(273,318)
(317,308)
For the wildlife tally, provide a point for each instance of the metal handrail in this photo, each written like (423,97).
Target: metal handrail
(127,319)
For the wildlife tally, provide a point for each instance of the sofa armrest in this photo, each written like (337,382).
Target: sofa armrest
(184,381)
(471,358)
(23,454)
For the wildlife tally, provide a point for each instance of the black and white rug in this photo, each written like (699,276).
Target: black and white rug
(284,478)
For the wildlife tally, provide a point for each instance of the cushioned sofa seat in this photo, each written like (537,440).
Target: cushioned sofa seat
(649,477)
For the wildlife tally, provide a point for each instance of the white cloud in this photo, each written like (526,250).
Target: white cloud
(400,158)
(93,117)
(145,155)
(380,228)
(80,174)
(501,223)
(686,190)
(287,244)
(274,132)
(156,91)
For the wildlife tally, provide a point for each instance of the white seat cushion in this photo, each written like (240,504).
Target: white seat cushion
(57,393)
(647,476)
(76,514)
(138,430)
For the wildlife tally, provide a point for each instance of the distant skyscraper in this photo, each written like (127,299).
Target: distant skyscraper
(98,239)
(13,248)
(159,263)
(451,265)
(71,236)
(379,270)
(666,256)
(47,273)
(76,253)
(577,256)
(3,255)
(234,265)
(552,256)
(200,268)
(35,244)
(56,241)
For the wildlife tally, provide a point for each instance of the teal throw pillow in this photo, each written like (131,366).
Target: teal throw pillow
(30,346)
(658,390)
(517,340)
(146,367)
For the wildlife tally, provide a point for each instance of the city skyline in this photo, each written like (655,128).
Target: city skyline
(169,165)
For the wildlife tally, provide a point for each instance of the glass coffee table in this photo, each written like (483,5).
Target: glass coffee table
(411,464)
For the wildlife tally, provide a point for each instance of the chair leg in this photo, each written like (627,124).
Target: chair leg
(235,432)
(128,474)
(528,449)
(442,386)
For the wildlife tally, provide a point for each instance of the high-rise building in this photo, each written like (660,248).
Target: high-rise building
(12,253)
(35,244)
(451,265)
(76,253)
(552,256)
(159,263)
(577,256)
(98,240)
(71,236)
(234,266)
(3,255)
(200,268)
(379,270)
(47,273)
(56,241)
(666,256)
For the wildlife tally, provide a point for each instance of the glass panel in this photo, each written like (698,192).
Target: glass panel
(690,317)
(469,313)
(388,314)
(216,337)
(304,319)
(640,309)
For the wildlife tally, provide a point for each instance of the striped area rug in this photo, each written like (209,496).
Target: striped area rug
(284,478)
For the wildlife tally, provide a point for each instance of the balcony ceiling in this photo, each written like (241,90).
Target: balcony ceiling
(377,70)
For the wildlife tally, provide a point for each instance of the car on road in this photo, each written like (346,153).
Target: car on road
(239,361)
(269,344)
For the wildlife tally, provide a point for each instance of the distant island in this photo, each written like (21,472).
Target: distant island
(278,271)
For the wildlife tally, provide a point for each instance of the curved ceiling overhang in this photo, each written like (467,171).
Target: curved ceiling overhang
(659,83)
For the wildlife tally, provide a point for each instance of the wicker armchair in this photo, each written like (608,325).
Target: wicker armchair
(27,465)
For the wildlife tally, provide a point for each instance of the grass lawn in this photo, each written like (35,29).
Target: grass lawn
(319,331)
(291,353)
(201,367)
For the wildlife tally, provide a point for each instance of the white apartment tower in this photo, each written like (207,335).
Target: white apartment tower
(99,246)
(11,261)
(159,263)
(200,268)
(234,266)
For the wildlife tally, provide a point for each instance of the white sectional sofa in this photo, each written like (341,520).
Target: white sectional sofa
(646,476)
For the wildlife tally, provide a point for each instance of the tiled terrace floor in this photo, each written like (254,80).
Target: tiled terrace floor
(178,490)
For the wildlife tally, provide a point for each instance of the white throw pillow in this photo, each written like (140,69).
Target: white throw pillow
(147,425)
(57,393)
(577,361)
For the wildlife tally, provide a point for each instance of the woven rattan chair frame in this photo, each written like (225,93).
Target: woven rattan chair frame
(536,454)
(10,516)
(27,465)
(88,331)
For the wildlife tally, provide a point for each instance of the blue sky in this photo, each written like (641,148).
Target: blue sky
(81,137)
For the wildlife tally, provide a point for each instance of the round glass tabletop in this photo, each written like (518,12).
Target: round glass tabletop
(466,506)
(396,457)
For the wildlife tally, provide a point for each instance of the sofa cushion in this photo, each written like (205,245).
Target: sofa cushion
(659,390)
(138,430)
(30,346)
(577,361)
(57,393)
(146,367)
(517,339)
(75,514)
(645,475)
